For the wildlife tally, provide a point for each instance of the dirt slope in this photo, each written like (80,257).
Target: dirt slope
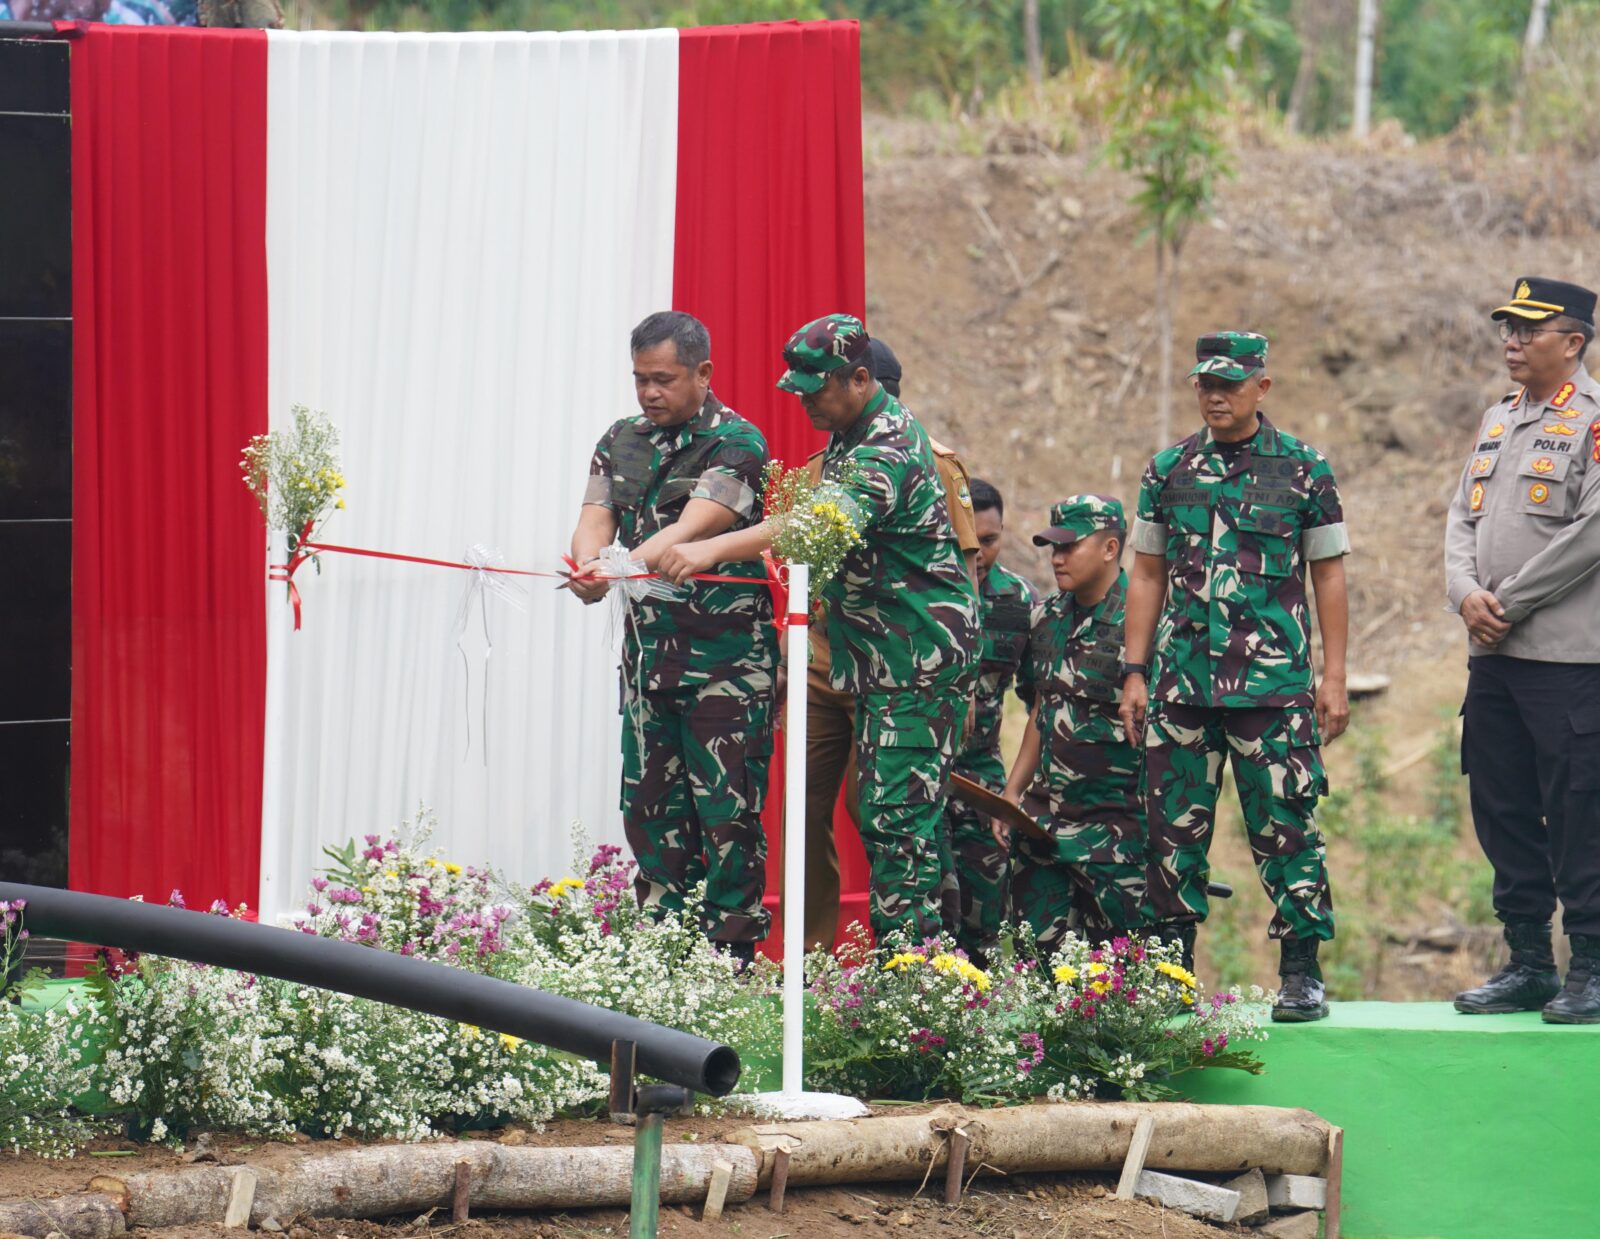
(1371,273)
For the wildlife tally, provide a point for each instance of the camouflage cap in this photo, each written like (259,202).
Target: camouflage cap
(821,347)
(1080,516)
(1230,355)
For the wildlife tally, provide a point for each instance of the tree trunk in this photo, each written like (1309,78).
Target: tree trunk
(1305,75)
(1165,289)
(391,1179)
(1366,40)
(1532,41)
(83,1215)
(1030,41)
(1044,1139)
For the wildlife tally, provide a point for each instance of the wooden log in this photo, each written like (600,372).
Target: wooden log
(1047,1138)
(461,1192)
(83,1215)
(780,1179)
(396,1179)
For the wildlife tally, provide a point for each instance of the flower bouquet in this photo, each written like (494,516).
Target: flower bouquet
(294,475)
(815,523)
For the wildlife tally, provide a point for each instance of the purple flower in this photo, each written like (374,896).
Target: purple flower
(319,884)
(175,900)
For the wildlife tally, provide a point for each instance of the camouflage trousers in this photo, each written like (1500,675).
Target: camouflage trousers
(694,778)
(1098,900)
(1277,766)
(905,746)
(972,890)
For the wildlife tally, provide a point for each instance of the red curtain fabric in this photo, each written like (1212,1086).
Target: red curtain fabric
(770,234)
(170,381)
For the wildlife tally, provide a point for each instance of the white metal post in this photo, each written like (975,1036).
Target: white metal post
(794,832)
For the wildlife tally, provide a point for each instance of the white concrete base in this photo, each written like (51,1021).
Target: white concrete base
(800,1106)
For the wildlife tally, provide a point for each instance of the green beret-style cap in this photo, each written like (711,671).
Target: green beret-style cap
(1080,516)
(1230,355)
(821,347)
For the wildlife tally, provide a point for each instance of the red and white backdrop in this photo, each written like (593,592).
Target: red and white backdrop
(441,241)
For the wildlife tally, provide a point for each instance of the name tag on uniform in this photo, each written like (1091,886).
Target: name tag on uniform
(1552,445)
(1274,495)
(1184,496)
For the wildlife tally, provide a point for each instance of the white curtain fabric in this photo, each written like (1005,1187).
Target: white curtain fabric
(461,230)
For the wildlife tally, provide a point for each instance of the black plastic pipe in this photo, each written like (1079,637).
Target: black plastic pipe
(366,972)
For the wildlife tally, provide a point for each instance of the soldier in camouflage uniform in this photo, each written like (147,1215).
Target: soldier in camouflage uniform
(972,892)
(697,671)
(1075,773)
(1232,516)
(902,618)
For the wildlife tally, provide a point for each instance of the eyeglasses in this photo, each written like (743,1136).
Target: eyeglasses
(1524,333)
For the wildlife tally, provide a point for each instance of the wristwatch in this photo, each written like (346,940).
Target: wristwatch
(1140,669)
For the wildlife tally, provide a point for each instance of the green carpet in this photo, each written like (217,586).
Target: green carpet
(1456,1126)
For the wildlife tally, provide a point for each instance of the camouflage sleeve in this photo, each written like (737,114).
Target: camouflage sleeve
(732,476)
(1149,530)
(598,489)
(876,485)
(1323,535)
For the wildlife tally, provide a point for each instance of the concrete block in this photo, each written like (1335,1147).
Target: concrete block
(241,1198)
(1296,1191)
(1292,1226)
(1202,1200)
(1252,1189)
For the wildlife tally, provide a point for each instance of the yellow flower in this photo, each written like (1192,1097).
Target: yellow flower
(1097,969)
(510,1043)
(340,504)
(1066,974)
(947,964)
(450,866)
(390,873)
(469,1032)
(1181,975)
(561,888)
(1100,987)
(904,960)
(1188,999)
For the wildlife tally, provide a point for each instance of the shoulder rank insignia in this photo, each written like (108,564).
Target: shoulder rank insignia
(1477,496)
(1557,428)
(964,495)
(1562,396)
(1539,492)
(1543,465)
(1495,431)
(1483,464)
(1594,430)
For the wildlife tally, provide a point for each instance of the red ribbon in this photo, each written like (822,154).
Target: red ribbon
(305,548)
(285,572)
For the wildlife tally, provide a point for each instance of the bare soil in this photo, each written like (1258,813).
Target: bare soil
(1371,272)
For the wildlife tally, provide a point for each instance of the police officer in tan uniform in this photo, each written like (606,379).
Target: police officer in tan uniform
(830,714)
(1522,567)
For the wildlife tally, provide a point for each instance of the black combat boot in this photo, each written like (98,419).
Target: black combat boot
(1526,983)
(1579,999)
(1300,997)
